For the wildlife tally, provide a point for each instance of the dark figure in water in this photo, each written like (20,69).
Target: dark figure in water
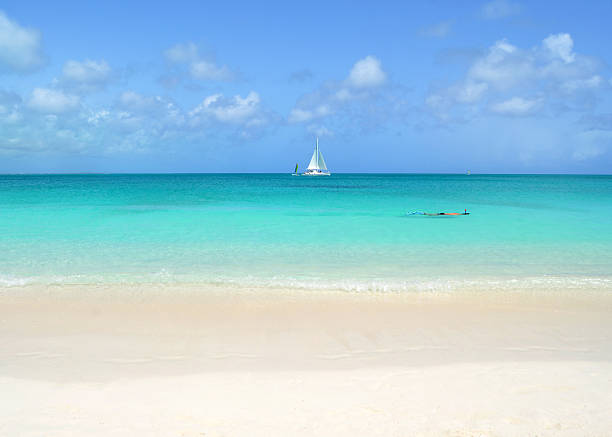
(450,213)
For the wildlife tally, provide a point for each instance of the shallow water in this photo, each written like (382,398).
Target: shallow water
(347,231)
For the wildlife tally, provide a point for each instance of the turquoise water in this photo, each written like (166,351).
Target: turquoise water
(347,231)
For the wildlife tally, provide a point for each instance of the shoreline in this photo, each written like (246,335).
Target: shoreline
(581,288)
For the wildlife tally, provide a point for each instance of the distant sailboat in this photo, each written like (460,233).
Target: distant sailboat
(295,173)
(317,165)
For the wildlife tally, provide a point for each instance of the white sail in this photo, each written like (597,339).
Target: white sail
(322,165)
(314,165)
(317,164)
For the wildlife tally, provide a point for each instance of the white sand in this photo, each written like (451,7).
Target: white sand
(91,361)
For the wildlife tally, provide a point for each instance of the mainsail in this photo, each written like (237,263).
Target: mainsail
(317,162)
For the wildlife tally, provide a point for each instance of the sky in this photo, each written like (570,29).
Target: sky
(497,86)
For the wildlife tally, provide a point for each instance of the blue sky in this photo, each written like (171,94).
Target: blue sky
(436,86)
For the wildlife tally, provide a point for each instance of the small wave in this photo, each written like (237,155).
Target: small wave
(13,281)
(429,285)
(379,285)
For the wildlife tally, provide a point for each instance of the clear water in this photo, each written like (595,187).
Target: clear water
(347,231)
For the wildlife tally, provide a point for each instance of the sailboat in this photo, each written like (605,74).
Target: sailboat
(295,173)
(317,165)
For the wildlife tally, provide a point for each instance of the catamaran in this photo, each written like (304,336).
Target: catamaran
(317,165)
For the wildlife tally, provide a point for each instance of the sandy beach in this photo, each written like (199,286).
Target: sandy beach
(158,360)
(306,219)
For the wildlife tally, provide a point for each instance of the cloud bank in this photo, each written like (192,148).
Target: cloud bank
(20,48)
(51,120)
(508,80)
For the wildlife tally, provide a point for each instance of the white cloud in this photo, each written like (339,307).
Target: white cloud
(360,100)
(496,9)
(133,101)
(97,117)
(560,45)
(343,94)
(320,131)
(550,70)
(471,91)
(298,115)
(502,67)
(87,72)
(439,30)
(52,120)
(234,109)
(182,53)
(135,111)
(243,117)
(367,72)
(204,70)
(578,84)
(20,48)
(155,115)
(52,101)
(515,106)
(198,67)
(466,92)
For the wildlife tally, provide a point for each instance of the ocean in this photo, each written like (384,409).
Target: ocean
(345,232)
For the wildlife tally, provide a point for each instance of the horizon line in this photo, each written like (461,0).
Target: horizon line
(285,173)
